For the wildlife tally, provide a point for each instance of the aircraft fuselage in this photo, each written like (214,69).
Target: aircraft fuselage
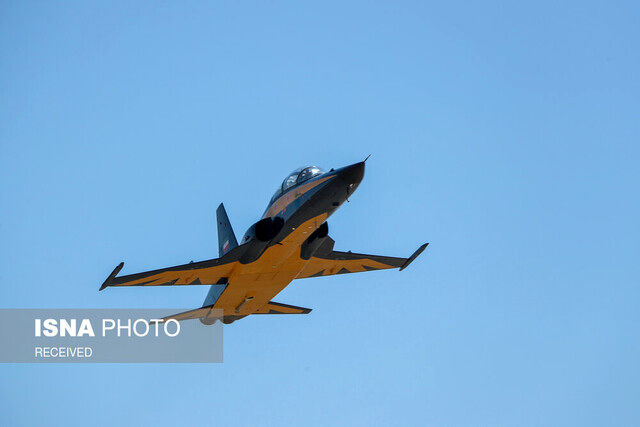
(273,261)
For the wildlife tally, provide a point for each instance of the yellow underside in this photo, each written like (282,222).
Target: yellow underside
(252,286)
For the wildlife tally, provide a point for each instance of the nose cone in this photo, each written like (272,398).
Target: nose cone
(341,185)
(352,174)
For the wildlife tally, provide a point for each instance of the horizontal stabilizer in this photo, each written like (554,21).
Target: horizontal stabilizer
(273,307)
(209,313)
(197,313)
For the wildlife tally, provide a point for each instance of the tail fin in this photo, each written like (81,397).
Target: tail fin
(226,237)
(226,242)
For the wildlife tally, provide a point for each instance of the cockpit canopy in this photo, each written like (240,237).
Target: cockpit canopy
(296,177)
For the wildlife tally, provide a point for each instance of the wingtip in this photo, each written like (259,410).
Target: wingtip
(414,256)
(113,274)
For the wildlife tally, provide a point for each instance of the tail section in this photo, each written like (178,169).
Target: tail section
(209,317)
(226,242)
(273,307)
(226,237)
(206,314)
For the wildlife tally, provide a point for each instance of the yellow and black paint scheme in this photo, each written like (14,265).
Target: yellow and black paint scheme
(289,242)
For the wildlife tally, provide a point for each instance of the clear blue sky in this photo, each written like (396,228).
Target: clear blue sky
(506,134)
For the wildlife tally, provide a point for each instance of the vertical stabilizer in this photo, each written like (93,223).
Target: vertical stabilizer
(226,242)
(226,237)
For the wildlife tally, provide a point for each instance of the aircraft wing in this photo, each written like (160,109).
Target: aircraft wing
(195,273)
(328,262)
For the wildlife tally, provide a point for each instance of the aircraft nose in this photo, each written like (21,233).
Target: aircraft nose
(352,174)
(344,181)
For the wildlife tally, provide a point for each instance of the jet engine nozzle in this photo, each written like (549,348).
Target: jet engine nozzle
(315,241)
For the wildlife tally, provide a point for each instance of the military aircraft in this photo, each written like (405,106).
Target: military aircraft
(290,242)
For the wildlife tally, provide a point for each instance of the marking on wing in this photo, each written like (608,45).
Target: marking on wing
(342,266)
(208,275)
(145,283)
(169,283)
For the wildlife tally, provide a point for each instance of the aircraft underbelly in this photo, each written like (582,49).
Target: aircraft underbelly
(252,286)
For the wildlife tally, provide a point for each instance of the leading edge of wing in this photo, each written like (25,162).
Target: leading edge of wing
(207,272)
(392,262)
(337,262)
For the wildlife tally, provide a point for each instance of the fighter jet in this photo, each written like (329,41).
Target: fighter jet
(291,241)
